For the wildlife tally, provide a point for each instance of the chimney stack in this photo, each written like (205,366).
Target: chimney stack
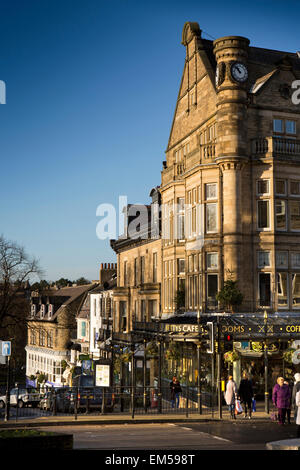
(107,270)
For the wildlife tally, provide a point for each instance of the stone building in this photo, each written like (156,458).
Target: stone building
(101,313)
(94,318)
(230,187)
(229,205)
(137,295)
(51,328)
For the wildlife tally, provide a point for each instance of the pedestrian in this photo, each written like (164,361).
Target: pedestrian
(175,391)
(289,409)
(281,397)
(296,388)
(246,394)
(231,396)
(297,400)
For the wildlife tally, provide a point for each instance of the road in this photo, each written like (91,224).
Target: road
(196,436)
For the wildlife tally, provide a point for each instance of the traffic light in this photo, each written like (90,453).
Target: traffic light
(211,337)
(228,342)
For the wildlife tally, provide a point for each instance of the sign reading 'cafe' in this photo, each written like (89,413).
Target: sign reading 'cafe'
(238,330)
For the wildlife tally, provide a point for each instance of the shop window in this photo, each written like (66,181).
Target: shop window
(264,289)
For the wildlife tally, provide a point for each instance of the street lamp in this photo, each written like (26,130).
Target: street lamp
(266,364)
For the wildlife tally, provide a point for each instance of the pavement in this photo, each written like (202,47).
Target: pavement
(126,418)
(260,416)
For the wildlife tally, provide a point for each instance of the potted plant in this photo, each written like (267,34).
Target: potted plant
(230,296)
(231,356)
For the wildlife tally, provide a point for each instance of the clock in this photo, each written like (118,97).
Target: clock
(220,73)
(239,72)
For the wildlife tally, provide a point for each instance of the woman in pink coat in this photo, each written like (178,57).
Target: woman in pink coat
(281,398)
(231,395)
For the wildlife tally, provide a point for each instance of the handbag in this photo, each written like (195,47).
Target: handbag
(274,415)
(238,407)
(253,404)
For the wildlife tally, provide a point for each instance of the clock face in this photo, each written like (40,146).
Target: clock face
(239,72)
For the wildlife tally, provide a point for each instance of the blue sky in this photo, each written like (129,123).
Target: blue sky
(91,91)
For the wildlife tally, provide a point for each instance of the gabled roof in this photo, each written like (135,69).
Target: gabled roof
(60,299)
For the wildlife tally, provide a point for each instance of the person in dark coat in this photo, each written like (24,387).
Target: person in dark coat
(289,409)
(281,398)
(296,388)
(246,394)
(175,391)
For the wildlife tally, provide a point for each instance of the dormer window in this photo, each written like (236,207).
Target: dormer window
(43,311)
(33,310)
(50,310)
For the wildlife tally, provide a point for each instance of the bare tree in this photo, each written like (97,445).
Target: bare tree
(16,269)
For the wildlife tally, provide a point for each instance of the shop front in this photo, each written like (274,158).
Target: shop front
(265,347)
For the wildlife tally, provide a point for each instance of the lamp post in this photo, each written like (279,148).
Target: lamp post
(145,375)
(267,409)
(199,365)
(219,366)
(7,403)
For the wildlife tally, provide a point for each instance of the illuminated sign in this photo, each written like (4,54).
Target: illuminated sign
(236,330)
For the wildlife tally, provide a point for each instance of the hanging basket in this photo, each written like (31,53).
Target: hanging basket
(231,356)
(152,349)
(257,346)
(173,353)
(288,355)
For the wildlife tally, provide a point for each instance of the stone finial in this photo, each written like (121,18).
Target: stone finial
(190,30)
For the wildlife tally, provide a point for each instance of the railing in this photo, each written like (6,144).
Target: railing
(269,146)
(119,399)
(208,150)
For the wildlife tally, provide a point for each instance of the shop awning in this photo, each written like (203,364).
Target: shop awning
(240,326)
